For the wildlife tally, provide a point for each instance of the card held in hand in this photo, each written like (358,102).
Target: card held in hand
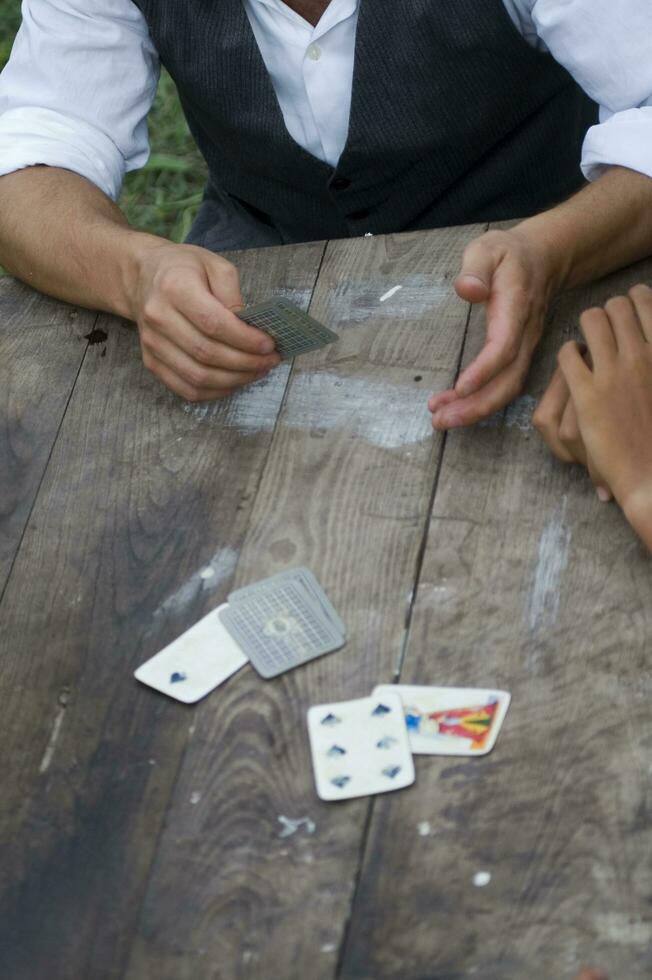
(293,331)
(450,720)
(359,748)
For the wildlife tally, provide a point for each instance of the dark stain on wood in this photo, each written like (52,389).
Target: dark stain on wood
(96,336)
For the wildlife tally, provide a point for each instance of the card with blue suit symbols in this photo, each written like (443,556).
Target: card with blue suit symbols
(195,663)
(360,748)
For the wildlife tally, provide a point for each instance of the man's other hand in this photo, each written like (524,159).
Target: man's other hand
(515,277)
(190,337)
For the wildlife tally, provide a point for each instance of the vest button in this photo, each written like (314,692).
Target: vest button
(359,215)
(341,183)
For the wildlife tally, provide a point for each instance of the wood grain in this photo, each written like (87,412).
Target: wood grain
(528,584)
(346,491)
(42,346)
(141,493)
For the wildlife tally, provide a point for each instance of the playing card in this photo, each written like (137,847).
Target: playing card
(359,748)
(280,628)
(195,663)
(306,578)
(293,331)
(450,720)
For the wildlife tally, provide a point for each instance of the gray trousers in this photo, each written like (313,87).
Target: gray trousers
(223,224)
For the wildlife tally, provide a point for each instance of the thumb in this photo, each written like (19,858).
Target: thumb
(473,284)
(224,280)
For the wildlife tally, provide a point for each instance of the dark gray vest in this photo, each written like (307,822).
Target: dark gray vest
(454,119)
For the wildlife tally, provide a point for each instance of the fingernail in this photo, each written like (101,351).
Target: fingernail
(267,346)
(464,388)
(436,419)
(603,494)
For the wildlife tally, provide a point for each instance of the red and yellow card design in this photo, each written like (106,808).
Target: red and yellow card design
(450,720)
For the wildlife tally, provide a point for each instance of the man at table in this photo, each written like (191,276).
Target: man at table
(327,119)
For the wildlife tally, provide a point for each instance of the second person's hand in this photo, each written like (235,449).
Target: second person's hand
(613,398)
(513,273)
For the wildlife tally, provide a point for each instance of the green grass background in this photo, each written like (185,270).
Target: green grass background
(164,196)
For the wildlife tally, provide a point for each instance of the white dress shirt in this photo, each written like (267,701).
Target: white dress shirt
(83,74)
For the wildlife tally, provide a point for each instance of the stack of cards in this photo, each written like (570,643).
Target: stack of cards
(364,747)
(276,625)
(293,331)
(283,622)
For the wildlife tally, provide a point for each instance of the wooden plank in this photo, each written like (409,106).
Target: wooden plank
(145,496)
(42,346)
(528,584)
(346,491)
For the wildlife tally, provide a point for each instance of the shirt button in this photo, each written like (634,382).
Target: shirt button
(314,52)
(359,215)
(341,183)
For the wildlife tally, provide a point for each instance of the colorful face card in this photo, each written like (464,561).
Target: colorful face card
(195,663)
(359,748)
(450,720)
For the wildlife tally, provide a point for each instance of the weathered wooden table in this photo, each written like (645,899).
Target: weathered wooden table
(141,838)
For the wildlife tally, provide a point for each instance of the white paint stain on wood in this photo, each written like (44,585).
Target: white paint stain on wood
(291,826)
(252,409)
(356,301)
(618,927)
(255,408)
(54,738)
(386,415)
(195,798)
(221,565)
(390,292)
(424,829)
(481,879)
(552,559)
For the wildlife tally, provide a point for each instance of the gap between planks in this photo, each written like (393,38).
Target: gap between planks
(341,956)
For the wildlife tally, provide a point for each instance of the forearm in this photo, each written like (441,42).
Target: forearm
(605,226)
(63,236)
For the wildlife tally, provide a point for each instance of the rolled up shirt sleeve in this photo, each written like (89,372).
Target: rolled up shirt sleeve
(77,89)
(606,45)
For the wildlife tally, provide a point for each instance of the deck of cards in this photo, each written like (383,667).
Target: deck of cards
(283,622)
(293,331)
(364,747)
